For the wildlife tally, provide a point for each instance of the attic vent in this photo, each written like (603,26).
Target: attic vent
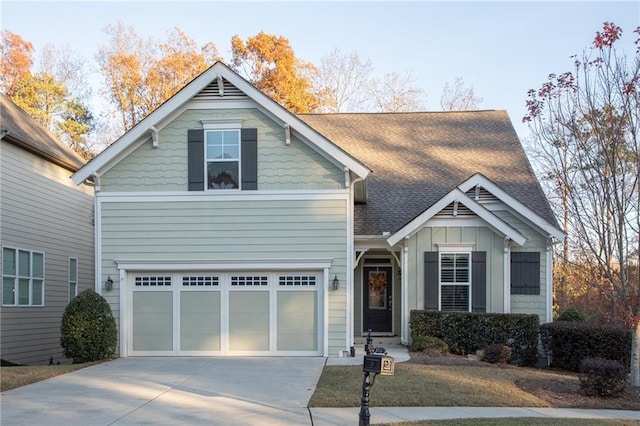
(481,195)
(459,210)
(213,92)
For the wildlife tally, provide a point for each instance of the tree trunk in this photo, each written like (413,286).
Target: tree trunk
(635,355)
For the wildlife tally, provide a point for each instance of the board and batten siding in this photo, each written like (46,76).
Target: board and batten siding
(529,303)
(43,210)
(212,228)
(280,166)
(483,238)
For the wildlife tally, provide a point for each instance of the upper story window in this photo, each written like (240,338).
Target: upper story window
(223,159)
(22,277)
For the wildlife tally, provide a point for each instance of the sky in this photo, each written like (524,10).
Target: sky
(500,48)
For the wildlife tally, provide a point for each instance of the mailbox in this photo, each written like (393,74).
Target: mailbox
(379,364)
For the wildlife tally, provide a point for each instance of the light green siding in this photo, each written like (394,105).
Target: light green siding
(280,166)
(483,239)
(214,229)
(521,303)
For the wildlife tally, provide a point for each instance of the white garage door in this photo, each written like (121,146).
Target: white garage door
(271,313)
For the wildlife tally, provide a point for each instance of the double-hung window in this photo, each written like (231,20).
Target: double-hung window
(22,277)
(223,159)
(73,278)
(455,281)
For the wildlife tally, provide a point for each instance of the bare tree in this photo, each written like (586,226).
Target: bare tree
(394,93)
(341,82)
(459,97)
(586,125)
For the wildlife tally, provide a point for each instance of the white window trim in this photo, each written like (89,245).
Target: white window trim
(455,249)
(31,277)
(75,282)
(238,160)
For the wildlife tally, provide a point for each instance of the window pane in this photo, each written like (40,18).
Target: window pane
(214,138)
(72,291)
(223,175)
(38,265)
(23,291)
(8,262)
(454,298)
(214,152)
(7,291)
(24,263)
(73,269)
(231,144)
(37,292)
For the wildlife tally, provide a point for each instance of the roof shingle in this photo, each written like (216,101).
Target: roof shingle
(416,158)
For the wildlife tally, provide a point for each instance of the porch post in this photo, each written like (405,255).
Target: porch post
(404,328)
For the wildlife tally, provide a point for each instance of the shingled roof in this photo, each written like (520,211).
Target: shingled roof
(18,127)
(416,158)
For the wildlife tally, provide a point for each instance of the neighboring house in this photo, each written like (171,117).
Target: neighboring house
(229,226)
(46,233)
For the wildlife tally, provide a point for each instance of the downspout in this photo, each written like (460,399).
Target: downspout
(97,240)
(349,184)
(404,330)
(506,262)
(549,281)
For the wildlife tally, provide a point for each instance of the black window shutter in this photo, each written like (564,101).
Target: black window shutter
(479,281)
(525,272)
(249,159)
(431,280)
(195,138)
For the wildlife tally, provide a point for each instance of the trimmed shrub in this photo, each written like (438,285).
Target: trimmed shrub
(428,343)
(496,354)
(568,343)
(88,330)
(572,314)
(466,332)
(602,377)
(529,357)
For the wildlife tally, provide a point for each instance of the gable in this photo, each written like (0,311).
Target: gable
(280,167)
(217,88)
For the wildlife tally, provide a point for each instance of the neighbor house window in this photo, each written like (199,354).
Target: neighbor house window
(73,278)
(455,281)
(223,159)
(525,272)
(22,277)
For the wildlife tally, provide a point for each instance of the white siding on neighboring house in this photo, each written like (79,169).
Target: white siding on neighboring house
(42,210)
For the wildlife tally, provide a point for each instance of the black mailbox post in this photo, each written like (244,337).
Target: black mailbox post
(376,361)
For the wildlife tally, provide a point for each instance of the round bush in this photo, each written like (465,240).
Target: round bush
(572,314)
(496,354)
(422,343)
(88,330)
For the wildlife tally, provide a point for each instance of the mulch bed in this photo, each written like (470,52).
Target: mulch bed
(560,393)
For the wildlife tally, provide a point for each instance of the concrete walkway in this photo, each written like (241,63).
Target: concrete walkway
(220,391)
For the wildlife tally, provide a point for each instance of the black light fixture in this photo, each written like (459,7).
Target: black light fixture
(336,283)
(108,285)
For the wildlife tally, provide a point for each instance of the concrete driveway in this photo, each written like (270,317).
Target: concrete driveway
(171,391)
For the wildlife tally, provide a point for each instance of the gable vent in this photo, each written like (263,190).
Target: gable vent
(481,195)
(455,209)
(212,91)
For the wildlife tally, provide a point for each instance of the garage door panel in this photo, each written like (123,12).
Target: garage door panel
(297,321)
(152,321)
(200,321)
(249,320)
(225,313)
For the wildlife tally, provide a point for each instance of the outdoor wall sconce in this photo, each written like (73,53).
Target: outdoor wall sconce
(108,285)
(336,283)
